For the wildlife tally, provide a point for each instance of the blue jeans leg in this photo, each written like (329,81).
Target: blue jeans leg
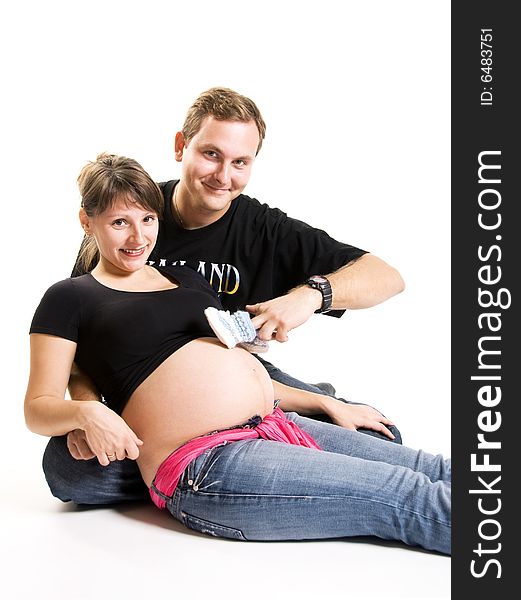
(86,482)
(276,374)
(264,490)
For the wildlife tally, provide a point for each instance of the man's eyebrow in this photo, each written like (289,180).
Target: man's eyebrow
(210,146)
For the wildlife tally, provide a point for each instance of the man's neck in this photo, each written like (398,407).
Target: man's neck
(187,214)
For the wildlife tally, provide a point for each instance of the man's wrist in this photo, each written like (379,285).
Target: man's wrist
(314,295)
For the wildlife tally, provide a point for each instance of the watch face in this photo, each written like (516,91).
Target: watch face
(317,279)
(322,284)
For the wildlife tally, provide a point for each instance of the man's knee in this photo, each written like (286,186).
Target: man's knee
(55,459)
(86,481)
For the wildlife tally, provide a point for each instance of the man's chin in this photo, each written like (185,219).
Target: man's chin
(217,201)
(215,193)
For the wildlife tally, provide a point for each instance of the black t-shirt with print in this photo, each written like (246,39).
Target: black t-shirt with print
(251,254)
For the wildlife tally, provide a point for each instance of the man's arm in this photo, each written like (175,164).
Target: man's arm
(364,282)
(361,283)
(80,387)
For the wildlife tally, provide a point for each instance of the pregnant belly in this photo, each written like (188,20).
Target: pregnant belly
(200,388)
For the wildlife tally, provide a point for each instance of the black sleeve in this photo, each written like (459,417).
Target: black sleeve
(303,251)
(58,312)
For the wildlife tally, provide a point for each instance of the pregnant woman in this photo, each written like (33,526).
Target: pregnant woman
(210,431)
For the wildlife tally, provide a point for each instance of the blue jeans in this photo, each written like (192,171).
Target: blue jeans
(86,482)
(355,486)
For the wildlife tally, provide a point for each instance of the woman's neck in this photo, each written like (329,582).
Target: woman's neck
(145,279)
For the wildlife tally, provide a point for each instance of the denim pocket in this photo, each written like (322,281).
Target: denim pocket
(209,528)
(199,469)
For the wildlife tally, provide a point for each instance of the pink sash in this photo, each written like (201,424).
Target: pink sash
(274,426)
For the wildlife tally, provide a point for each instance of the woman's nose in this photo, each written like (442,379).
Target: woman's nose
(137,234)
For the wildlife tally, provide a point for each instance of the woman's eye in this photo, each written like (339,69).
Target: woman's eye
(118,222)
(149,219)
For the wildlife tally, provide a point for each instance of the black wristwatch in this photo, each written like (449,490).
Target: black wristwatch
(320,283)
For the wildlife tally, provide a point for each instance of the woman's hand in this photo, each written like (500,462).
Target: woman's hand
(105,435)
(357,416)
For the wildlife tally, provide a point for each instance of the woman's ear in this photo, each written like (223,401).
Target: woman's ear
(85,221)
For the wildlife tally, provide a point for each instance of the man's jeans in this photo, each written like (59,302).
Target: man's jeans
(355,486)
(87,482)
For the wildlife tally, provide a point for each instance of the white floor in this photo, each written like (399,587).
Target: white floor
(52,550)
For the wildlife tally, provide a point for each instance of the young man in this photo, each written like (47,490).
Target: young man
(280,269)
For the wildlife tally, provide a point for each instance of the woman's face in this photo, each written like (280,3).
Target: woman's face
(125,233)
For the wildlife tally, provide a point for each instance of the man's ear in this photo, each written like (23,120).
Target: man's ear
(179,146)
(85,221)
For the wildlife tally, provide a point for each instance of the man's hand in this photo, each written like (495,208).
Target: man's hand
(275,318)
(361,283)
(77,445)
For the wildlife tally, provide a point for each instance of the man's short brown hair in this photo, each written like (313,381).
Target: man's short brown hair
(224,105)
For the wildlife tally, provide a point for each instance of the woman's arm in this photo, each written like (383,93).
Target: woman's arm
(47,412)
(350,416)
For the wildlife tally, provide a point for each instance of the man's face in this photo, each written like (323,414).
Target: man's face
(216,165)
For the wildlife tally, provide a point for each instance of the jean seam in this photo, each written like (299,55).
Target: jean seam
(322,498)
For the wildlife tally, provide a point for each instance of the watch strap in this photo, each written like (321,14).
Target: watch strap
(322,284)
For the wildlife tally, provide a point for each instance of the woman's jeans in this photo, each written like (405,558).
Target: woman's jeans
(355,486)
(86,482)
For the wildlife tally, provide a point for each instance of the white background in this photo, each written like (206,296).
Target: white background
(356,96)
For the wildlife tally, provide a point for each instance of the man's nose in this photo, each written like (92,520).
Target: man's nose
(222,174)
